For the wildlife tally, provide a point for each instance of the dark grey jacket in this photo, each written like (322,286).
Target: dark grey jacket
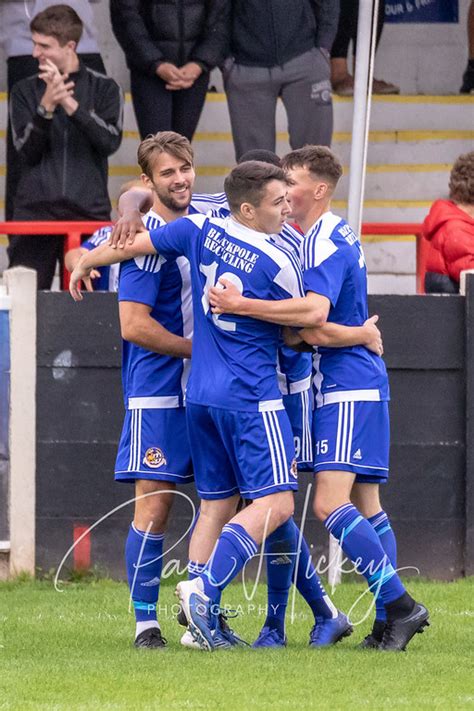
(177,31)
(268,33)
(64,159)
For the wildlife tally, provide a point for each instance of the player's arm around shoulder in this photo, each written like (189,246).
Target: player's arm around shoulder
(334,335)
(304,311)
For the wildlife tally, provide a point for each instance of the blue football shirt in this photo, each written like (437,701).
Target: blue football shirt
(151,379)
(334,266)
(108,280)
(294,369)
(234,357)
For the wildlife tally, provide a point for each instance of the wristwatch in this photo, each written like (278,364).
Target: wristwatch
(41,111)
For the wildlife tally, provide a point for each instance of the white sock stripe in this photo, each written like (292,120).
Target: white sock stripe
(151,536)
(245,542)
(382,518)
(270,447)
(285,469)
(335,516)
(248,545)
(338,435)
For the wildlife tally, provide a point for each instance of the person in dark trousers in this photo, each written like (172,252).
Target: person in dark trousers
(342,81)
(65,122)
(280,51)
(170,48)
(15,18)
(468,76)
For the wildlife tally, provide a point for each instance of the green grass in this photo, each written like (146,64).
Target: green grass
(72,650)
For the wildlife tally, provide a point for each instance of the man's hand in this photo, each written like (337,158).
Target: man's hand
(171,75)
(84,274)
(225,298)
(188,74)
(126,228)
(293,339)
(58,89)
(373,336)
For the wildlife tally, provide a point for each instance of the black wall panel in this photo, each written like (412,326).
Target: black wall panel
(80,411)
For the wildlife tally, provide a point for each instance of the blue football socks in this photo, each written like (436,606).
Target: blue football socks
(308,583)
(361,544)
(144,561)
(280,556)
(233,549)
(382,527)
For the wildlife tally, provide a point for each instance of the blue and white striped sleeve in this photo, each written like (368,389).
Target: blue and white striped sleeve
(175,239)
(325,267)
(288,282)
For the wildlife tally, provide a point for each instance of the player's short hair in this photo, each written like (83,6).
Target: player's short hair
(262,155)
(319,160)
(163,142)
(58,21)
(461,180)
(247,182)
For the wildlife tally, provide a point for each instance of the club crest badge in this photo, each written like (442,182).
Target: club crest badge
(294,469)
(154,458)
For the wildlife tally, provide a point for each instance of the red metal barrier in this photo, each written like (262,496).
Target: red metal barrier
(74,230)
(403,228)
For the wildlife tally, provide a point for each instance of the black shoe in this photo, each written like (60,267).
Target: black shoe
(373,640)
(181,618)
(151,639)
(468,79)
(399,632)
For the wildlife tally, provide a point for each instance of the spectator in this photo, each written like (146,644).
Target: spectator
(342,81)
(15,17)
(170,48)
(449,228)
(65,122)
(468,76)
(280,52)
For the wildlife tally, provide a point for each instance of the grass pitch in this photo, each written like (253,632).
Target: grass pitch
(73,650)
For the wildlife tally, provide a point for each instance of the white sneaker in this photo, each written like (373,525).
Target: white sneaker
(187,640)
(197,608)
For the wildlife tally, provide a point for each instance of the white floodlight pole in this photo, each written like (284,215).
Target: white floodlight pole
(364,67)
(364,72)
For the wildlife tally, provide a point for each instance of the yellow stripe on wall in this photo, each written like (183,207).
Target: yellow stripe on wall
(222,170)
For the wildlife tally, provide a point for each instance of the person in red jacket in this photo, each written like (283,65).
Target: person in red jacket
(449,229)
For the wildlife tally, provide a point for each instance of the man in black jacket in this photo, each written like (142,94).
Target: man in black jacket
(66,121)
(170,47)
(280,49)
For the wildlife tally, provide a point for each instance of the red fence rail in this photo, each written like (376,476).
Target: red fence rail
(400,229)
(74,230)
